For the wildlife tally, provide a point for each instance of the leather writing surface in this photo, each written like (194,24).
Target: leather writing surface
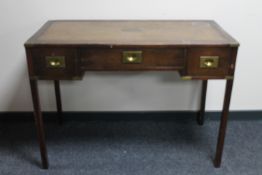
(132,33)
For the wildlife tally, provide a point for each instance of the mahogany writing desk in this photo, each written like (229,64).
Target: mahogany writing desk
(64,50)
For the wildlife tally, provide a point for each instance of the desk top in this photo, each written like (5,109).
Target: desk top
(187,32)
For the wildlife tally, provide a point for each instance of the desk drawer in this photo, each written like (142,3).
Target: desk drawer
(220,57)
(113,59)
(54,63)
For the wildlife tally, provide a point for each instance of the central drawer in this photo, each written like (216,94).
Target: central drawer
(116,59)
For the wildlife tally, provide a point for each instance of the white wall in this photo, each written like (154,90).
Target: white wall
(138,90)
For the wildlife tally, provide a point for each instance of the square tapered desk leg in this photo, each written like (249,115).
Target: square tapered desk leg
(39,123)
(201,113)
(223,124)
(58,101)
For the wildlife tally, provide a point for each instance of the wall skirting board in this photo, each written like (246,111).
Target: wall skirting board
(130,115)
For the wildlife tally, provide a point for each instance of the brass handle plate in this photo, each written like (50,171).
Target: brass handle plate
(209,62)
(132,57)
(55,61)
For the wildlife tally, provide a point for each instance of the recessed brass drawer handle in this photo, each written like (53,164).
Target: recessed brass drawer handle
(55,61)
(209,61)
(132,57)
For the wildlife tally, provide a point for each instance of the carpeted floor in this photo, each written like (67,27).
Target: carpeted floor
(132,148)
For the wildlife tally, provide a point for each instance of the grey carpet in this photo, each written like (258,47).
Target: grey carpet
(132,147)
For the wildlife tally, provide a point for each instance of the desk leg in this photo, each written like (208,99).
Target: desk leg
(39,123)
(58,101)
(201,113)
(223,124)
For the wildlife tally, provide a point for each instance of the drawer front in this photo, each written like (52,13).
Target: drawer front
(117,59)
(209,61)
(54,63)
